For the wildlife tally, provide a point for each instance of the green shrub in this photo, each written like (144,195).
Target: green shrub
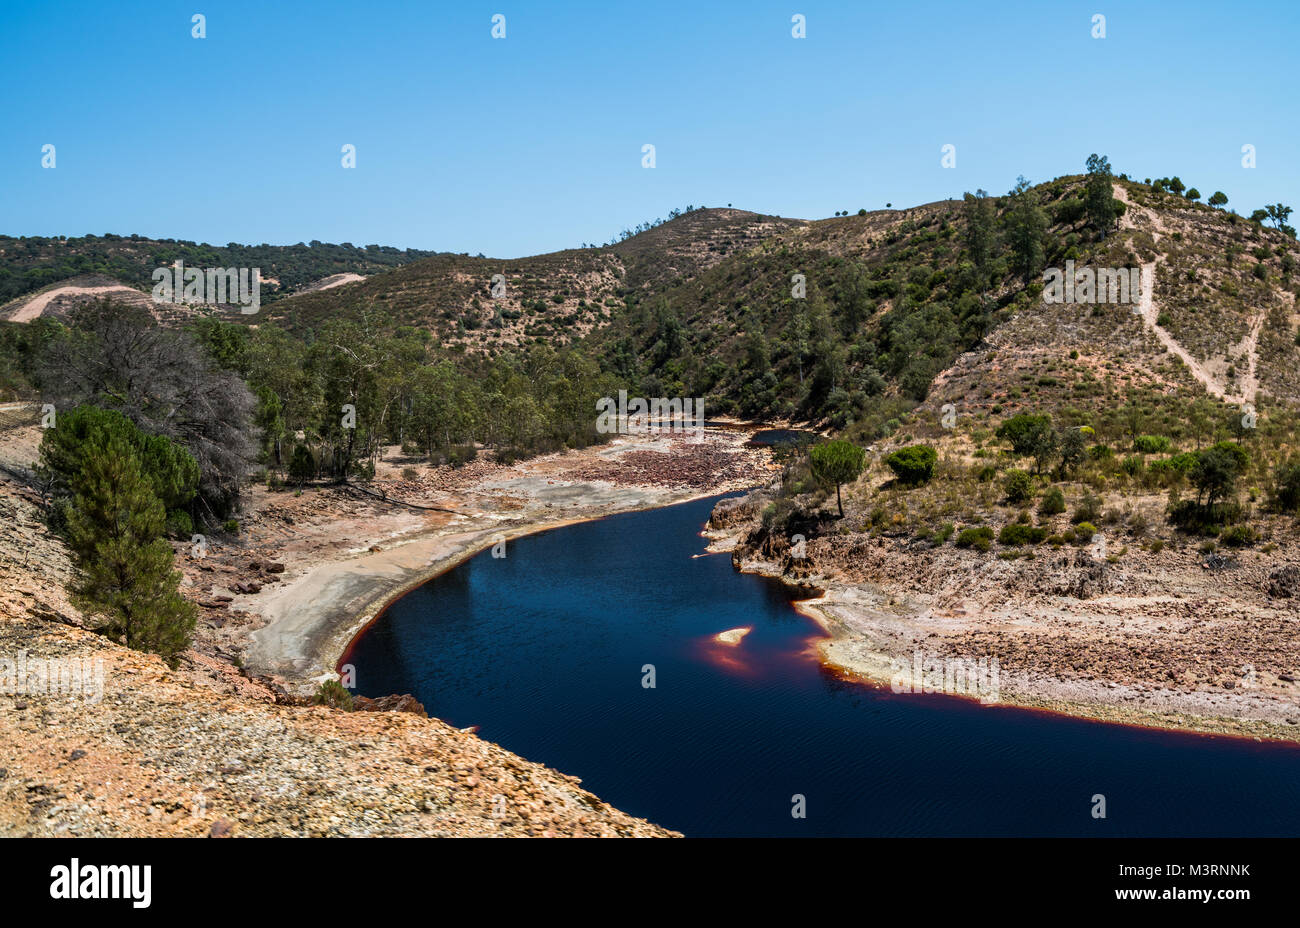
(172,472)
(1087,510)
(179,525)
(1216,469)
(1083,532)
(1239,536)
(914,464)
(302,465)
(113,518)
(978,537)
(1286,487)
(1172,470)
(1053,503)
(333,694)
(1191,516)
(1030,436)
(1015,533)
(1151,444)
(458,455)
(944,533)
(1018,485)
(1132,465)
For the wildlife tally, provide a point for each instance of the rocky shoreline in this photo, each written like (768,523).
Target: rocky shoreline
(225,744)
(1213,655)
(310,619)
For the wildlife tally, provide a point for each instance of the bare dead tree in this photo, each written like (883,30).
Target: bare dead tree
(118,357)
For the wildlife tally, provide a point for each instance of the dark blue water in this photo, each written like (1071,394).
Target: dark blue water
(772,437)
(544,650)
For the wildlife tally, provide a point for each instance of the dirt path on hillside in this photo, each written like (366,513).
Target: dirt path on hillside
(329,283)
(33,308)
(1250,348)
(1150,312)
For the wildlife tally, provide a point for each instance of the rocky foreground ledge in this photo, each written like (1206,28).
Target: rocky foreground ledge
(222,747)
(204,751)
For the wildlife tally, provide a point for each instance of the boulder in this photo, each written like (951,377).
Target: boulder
(395,703)
(1284,582)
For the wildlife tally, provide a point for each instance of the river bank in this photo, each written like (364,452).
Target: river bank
(324,565)
(215,747)
(1163,642)
(613,649)
(211,748)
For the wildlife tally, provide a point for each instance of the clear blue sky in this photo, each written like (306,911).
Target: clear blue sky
(533,142)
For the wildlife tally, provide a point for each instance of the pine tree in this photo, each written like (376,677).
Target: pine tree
(114,527)
(1026,225)
(838,462)
(979,227)
(1099,194)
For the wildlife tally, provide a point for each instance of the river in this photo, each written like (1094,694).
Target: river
(548,648)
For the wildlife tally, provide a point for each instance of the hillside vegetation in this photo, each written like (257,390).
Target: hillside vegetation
(486,304)
(923,334)
(32,262)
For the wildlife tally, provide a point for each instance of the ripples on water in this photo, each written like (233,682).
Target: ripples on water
(544,650)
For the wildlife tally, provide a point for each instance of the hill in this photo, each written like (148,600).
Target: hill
(553,298)
(1152,424)
(896,312)
(31,263)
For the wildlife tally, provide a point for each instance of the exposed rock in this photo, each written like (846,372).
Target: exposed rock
(403,703)
(1284,582)
(732,511)
(733,636)
(1081,575)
